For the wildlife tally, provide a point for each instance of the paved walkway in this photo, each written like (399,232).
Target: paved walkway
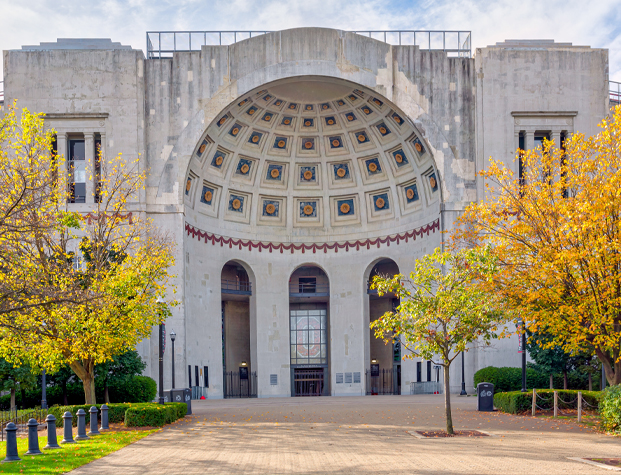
(357,435)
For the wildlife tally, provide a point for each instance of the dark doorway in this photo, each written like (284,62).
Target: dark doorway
(308,381)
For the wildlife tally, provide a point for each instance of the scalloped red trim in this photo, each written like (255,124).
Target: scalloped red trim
(271,246)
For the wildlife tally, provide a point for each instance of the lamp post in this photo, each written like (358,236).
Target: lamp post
(162,335)
(173,335)
(463,377)
(43,391)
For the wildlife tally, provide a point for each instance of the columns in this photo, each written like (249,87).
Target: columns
(556,137)
(89,156)
(530,139)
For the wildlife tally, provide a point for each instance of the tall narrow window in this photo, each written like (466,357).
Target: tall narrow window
(419,371)
(97,177)
(563,166)
(77,171)
(428,370)
(54,153)
(522,148)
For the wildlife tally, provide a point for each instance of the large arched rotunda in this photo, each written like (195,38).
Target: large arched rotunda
(308,181)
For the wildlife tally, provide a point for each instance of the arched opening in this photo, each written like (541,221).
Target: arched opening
(240,377)
(309,304)
(383,373)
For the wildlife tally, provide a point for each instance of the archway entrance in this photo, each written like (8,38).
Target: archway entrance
(309,302)
(239,378)
(383,376)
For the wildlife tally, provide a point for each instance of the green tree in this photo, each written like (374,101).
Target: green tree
(444,310)
(14,377)
(119,370)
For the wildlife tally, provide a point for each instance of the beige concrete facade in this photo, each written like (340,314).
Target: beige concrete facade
(234,182)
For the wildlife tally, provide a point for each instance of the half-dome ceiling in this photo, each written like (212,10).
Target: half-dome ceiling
(306,158)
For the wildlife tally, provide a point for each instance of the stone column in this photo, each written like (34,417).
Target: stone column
(89,156)
(530,140)
(556,137)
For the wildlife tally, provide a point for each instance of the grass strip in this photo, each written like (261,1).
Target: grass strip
(69,456)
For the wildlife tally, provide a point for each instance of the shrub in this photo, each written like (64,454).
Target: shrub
(137,389)
(116,412)
(516,402)
(510,379)
(610,409)
(154,414)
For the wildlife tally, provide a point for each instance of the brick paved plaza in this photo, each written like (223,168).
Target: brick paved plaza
(354,435)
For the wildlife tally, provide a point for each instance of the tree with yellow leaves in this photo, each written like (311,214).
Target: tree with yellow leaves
(444,310)
(111,261)
(556,231)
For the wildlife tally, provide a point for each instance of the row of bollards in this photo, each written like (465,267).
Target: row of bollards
(33,436)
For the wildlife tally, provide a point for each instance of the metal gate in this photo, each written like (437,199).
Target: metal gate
(384,381)
(236,385)
(308,382)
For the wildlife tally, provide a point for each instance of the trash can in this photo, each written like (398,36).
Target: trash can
(485,397)
(182,395)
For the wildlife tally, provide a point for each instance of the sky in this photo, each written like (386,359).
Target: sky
(595,23)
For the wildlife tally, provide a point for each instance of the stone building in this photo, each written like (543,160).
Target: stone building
(293,166)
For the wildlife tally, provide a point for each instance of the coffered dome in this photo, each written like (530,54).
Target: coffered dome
(311,158)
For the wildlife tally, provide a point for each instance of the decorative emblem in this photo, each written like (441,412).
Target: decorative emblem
(222,121)
(372,167)
(377,102)
(202,148)
(325,107)
(341,103)
(208,196)
(308,210)
(292,106)
(336,142)
(366,110)
(219,160)
(350,117)
(309,108)
(344,208)
(418,147)
(432,182)
(341,172)
(397,118)
(275,173)
(251,111)
(307,123)
(308,175)
(330,121)
(236,203)
(242,102)
(361,138)
(278,102)
(281,143)
(244,168)
(255,138)
(383,130)
(235,131)
(286,121)
(188,185)
(410,193)
(267,118)
(380,203)
(270,208)
(399,158)
(308,144)
(352,97)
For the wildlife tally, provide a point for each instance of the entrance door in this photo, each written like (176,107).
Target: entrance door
(309,349)
(308,381)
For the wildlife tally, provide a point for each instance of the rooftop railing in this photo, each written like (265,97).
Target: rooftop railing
(614,89)
(163,44)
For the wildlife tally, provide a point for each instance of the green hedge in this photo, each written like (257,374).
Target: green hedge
(510,379)
(155,415)
(516,402)
(136,389)
(610,409)
(116,412)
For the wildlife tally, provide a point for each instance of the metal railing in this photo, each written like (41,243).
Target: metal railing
(301,289)
(238,287)
(426,387)
(238,384)
(163,44)
(384,381)
(308,382)
(20,418)
(614,91)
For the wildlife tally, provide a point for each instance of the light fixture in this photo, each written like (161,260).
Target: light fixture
(374,361)
(173,335)
(243,363)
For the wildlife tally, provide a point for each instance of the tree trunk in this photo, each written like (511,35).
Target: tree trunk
(612,369)
(86,374)
(447,401)
(551,381)
(13,407)
(565,379)
(106,396)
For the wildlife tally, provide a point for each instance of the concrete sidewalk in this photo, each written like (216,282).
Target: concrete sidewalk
(355,435)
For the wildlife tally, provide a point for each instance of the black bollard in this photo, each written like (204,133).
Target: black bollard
(11,443)
(104,417)
(51,433)
(33,438)
(81,425)
(68,429)
(93,431)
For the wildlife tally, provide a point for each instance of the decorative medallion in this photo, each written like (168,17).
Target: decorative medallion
(255,137)
(267,117)
(235,130)
(341,102)
(344,208)
(274,172)
(325,106)
(188,185)
(330,120)
(372,167)
(309,107)
(221,121)
(418,145)
(308,122)
(293,106)
(270,208)
(236,204)
(207,195)
(367,110)
(267,98)
(280,142)
(244,168)
(432,182)
(362,137)
(251,111)
(278,103)
(308,175)
(380,203)
(242,102)
(308,210)
(336,142)
(341,170)
(352,98)
(286,121)
(400,157)
(397,119)
(383,129)
(218,159)
(308,144)
(411,193)
(377,102)
(350,116)
(202,148)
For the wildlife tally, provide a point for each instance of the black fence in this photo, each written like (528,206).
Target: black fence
(239,287)
(240,384)
(308,382)
(383,381)
(20,418)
